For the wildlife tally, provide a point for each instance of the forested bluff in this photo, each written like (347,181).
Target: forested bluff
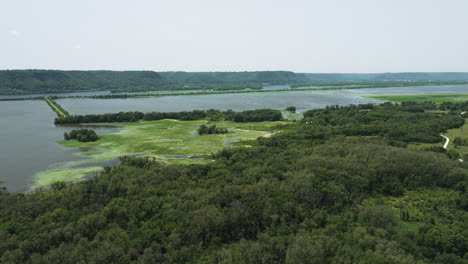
(35,81)
(340,186)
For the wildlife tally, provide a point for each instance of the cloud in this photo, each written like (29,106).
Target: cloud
(14,32)
(77,46)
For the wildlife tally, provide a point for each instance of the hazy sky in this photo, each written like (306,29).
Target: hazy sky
(235,35)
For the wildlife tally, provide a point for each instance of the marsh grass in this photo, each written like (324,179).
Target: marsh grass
(154,139)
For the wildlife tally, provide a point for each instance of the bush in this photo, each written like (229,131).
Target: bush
(82,135)
(211,130)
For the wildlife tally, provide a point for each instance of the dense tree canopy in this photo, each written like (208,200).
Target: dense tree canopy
(54,81)
(321,191)
(245,116)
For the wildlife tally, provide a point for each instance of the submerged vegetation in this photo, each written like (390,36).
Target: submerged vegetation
(167,141)
(359,84)
(436,98)
(340,186)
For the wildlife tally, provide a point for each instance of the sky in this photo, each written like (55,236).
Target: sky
(236,35)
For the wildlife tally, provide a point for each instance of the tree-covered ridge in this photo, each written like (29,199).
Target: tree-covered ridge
(311,194)
(55,81)
(259,77)
(50,81)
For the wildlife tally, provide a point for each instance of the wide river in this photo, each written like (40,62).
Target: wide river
(28,142)
(28,136)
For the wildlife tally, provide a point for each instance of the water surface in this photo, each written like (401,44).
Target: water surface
(28,142)
(28,136)
(236,102)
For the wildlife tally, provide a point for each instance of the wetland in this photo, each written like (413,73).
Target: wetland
(31,157)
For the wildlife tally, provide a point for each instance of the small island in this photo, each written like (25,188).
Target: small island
(82,135)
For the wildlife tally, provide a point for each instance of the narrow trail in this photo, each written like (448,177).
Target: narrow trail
(447,140)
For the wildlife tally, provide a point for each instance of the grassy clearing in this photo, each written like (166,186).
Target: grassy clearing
(423,206)
(167,137)
(292,116)
(436,98)
(155,139)
(410,226)
(48,177)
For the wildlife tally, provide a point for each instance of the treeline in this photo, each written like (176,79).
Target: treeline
(82,135)
(215,115)
(310,194)
(257,78)
(23,98)
(213,129)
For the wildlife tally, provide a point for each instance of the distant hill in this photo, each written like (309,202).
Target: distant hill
(420,76)
(53,81)
(50,81)
(258,77)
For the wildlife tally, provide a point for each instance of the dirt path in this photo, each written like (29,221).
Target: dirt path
(447,140)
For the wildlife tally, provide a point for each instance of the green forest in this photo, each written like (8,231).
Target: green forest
(16,82)
(339,186)
(211,114)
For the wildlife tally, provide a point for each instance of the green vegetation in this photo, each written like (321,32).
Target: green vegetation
(214,115)
(436,98)
(82,135)
(49,177)
(61,113)
(167,141)
(53,81)
(291,109)
(462,135)
(202,130)
(398,124)
(336,187)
